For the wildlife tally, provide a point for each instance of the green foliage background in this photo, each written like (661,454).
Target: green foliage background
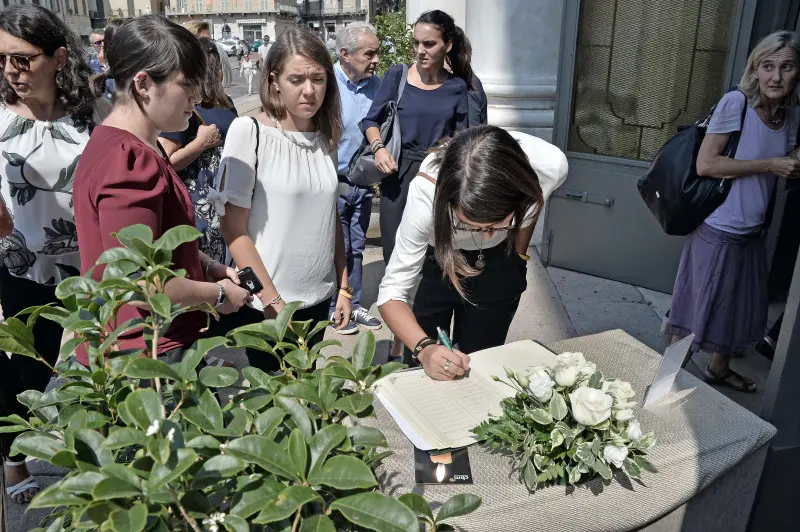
(395,37)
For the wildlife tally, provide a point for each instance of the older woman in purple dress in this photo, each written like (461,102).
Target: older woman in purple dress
(720,293)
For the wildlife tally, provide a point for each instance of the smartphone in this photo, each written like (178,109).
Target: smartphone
(250,281)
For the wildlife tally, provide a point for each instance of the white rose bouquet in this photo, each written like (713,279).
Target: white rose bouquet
(568,423)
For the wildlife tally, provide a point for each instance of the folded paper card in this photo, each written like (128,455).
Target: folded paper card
(441,414)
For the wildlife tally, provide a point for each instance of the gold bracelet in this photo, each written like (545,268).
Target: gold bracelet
(345,293)
(524,256)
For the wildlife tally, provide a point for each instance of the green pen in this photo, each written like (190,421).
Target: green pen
(444,339)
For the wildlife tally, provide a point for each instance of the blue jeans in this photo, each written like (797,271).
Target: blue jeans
(355,208)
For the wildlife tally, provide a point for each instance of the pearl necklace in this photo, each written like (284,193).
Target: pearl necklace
(308,145)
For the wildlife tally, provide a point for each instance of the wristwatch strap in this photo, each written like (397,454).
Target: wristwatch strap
(220,296)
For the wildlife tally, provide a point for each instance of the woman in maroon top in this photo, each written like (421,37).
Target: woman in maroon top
(124,177)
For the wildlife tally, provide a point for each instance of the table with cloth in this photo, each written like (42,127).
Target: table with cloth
(709,454)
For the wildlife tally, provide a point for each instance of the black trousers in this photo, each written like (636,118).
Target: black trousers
(394,194)
(23,373)
(483,320)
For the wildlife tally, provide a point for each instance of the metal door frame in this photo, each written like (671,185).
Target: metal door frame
(740,43)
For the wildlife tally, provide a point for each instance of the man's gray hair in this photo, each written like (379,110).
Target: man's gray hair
(348,37)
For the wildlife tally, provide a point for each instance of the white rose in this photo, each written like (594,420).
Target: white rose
(541,385)
(615,454)
(567,368)
(634,430)
(590,406)
(589,369)
(621,391)
(623,415)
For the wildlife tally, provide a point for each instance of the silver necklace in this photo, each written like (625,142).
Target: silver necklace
(480,263)
(308,145)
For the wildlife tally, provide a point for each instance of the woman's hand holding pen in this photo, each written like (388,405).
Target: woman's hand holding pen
(442,364)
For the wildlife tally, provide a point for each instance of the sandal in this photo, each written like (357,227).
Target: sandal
(741,384)
(214,361)
(26,485)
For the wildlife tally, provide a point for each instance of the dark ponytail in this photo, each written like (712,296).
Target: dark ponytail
(460,53)
(97,84)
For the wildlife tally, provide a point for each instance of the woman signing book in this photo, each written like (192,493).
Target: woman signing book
(466,228)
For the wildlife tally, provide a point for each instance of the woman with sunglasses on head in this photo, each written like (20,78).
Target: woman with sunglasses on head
(46,117)
(467,226)
(125,177)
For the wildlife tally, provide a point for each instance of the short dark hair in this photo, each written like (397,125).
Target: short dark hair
(298,41)
(151,44)
(212,93)
(484,173)
(41,28)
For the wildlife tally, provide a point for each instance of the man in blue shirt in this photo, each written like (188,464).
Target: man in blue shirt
(357,46)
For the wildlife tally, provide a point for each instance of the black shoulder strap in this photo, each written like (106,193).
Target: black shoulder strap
(733,141)
(258,138)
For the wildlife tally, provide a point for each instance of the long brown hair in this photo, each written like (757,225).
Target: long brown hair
(303,42)
(485,174)
(460,54)
(212,93)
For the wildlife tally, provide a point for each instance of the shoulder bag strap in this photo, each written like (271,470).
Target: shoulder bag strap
(735,136)
(258,139)
(427,176)
(402,86)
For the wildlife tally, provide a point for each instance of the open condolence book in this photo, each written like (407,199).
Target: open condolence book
(441,414)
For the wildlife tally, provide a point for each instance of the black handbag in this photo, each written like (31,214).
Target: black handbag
(678,197)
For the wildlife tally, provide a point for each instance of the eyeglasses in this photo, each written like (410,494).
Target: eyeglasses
(473,229)
(20,62)
(98,44)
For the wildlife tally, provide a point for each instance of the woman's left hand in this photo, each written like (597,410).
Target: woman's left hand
(218,271)
(341,315)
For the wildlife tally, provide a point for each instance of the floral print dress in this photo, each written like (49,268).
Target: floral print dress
(39,159)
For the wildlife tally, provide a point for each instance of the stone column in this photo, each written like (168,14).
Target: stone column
(454,8)
(515,53)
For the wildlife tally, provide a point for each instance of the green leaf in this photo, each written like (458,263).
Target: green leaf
(343,472)
(596,380)
(269,420)
(458,505)
(298,453)
(317,523)
(117,254)
(148,368)
(286,503)
(217,468)
(89,449)
(123,437)
(133,520)
(206,414)
(55,496)
(139,231)
(254,496)
(36,445)
(298,359)
(204,442)
(218,376)
(325,441)
(300,390)
(126,474)
(159,449)
(632,468)
(82,482)
(645,464)
(558,407)
(354,403)
(176,236)
(141,408)
(234,523)
(367,436)
(284,317)
(418,505)
(540,416)
(299,414)
(255,376)
(161,305)
(377,511)
(196,353)
(364,351)
(75,285)
(114,488)
(263,452)
(178,463)
(602,469)
(340,370)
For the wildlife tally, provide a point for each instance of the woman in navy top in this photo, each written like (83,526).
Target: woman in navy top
(434,105)
(196,152)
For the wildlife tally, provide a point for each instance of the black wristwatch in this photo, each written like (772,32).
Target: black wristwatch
(422,344)
(221,297)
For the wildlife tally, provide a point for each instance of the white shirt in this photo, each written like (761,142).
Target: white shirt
(416,228)
(247,67)
(39,163)
(263,51)
(292,204)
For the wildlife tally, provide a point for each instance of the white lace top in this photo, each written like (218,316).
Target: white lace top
(39,159)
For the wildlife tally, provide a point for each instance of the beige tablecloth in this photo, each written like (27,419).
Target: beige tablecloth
(701,435)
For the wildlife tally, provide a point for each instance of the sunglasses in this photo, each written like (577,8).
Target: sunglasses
(98,44)
(19,62)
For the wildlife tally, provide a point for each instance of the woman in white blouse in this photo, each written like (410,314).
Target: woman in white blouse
(467,226)
(278,187)
(46,116)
